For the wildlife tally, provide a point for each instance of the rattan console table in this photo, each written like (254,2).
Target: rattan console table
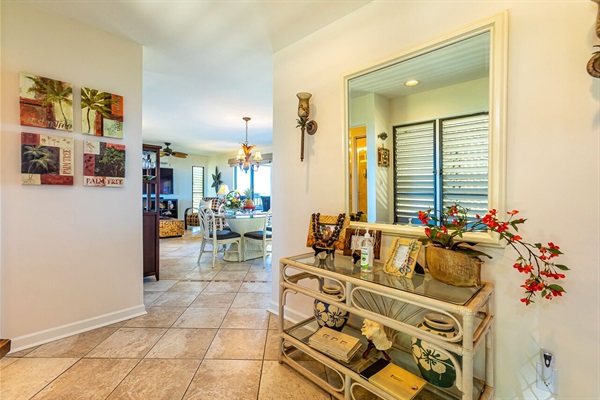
(398,304)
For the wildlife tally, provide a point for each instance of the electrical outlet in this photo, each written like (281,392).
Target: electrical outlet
(547,376)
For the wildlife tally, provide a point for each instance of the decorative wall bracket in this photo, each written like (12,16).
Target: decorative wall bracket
(304,123)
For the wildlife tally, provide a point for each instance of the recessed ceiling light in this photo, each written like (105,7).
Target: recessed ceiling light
(412,82)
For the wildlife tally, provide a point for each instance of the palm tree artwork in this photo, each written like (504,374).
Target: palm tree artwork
(104,164)
(46,160)
(46,103)
(101,113)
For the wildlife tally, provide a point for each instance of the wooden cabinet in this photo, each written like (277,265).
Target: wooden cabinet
(398,304)
(151,211)
(168,208)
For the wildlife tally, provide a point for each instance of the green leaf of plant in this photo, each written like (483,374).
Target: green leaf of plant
(556,287)
(561,267)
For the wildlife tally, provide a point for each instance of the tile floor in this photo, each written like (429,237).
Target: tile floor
(207,335)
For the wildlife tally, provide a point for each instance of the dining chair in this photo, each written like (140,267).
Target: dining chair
(262,238)
(211,234)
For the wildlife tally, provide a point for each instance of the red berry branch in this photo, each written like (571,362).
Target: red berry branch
(535,260)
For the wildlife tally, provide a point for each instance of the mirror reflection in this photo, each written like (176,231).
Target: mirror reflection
(419,134)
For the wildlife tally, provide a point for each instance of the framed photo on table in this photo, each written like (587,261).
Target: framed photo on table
(354,238)
(402,257)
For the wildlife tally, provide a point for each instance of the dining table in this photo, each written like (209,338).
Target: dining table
(244,223)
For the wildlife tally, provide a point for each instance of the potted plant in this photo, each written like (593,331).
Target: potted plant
(535,260)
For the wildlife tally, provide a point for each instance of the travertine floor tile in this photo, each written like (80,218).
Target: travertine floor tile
(88,379)
(75,346)
(21,353)
(202,274)
(158,286)
(156,317)
(255,287)
(213,300)
(246,318)
(157,379)
(149,297)
(225,380)
(296,387)
(175,299)
(252,300)
(237,344)
(183,343)
(201,318)
(25,377)
(272,346)
(128,343)
(226,275)
(236,267)
(189,286)
(6,361)
(263,276)
(223,287)
(274,322)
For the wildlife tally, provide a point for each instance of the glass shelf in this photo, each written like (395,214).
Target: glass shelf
(400,356)
(423,285)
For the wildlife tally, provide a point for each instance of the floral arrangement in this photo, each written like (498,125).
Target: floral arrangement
(233,200)
(535,260)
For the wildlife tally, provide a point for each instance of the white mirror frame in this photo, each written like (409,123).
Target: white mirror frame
(497,25)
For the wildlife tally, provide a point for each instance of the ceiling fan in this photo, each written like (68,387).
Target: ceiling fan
(167,151)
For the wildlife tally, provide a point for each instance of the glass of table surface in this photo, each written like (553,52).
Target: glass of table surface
(419,284)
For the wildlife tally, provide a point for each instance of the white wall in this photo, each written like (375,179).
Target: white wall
(182,178)
(71,256)
(552,158)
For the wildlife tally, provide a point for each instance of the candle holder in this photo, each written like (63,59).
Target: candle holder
(306,125)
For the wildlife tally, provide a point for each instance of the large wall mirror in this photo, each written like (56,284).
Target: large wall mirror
(426,129)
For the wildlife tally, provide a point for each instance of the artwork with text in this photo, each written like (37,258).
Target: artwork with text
(46,159)
(103,164)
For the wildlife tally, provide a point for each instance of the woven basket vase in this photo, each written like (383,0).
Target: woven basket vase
(453,267)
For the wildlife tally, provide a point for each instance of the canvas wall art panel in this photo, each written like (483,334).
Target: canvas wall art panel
(46,159)
(45,102)
(101,113)
(103,164)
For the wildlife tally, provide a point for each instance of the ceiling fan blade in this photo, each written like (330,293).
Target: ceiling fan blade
(162,153)
(179,154)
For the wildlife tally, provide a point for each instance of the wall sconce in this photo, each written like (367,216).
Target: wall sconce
(305,125)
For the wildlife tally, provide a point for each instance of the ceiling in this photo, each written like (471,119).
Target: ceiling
(206,64)
(458,62)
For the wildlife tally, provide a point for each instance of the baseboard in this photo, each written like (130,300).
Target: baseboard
(290,314)
(49,335)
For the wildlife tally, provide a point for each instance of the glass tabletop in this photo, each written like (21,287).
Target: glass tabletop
(419,284)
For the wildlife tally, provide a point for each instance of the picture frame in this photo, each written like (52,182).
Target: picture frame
(383,157)
(402,257)
(354,236)
(325,222)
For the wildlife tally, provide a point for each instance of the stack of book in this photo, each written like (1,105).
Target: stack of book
(393,379)
(335,344)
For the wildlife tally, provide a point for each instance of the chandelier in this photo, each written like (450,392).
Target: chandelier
(245,154)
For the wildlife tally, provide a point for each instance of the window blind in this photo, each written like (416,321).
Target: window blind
(197,185)
(464,142)
(414,164)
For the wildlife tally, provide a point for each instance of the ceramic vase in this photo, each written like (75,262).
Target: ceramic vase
(329,315)
(436,368)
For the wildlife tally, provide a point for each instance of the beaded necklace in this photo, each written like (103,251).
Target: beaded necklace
(326,240)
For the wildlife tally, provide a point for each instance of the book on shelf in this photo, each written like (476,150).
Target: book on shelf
(335,344)
(393,379)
